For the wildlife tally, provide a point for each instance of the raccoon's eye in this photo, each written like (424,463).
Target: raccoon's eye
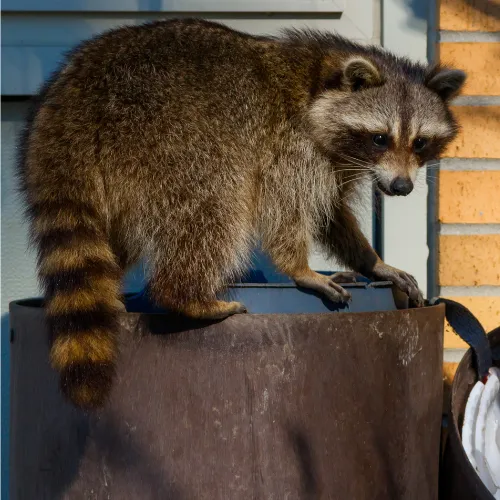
(381,141)
(419,144)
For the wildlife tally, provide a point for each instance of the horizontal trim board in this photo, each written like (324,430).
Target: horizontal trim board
(469,164)
(317,6)
(469,229)
(477,100)
(68,29)
(469,291)
(468,36)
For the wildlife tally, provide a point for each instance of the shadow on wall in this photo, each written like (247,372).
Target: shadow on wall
(419,8)
(419,13)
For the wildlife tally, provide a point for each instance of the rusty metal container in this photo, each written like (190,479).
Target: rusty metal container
(320,405)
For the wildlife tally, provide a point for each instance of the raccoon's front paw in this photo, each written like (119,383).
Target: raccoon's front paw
(404,281)
(325,285)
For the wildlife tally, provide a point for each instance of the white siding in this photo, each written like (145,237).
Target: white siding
(18,269)
(405,219)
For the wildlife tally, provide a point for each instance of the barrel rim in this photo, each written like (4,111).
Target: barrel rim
(27,305)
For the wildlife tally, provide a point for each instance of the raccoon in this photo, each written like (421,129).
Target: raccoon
(187,143)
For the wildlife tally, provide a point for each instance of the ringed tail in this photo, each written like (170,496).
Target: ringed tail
(81,280)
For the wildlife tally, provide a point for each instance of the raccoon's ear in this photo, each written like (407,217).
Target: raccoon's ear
(360,73)
(446,82)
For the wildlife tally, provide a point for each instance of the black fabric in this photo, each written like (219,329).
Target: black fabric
(468,328)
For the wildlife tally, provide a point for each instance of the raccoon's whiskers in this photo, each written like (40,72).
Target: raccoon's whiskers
(359,167)
(353,177)
(351,157)
(356,161)
(351,180)
(359,170)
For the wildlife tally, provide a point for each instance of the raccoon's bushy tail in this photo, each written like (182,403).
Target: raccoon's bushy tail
(81,280)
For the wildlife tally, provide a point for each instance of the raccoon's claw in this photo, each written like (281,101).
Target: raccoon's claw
(409,285)
(404,281)
(336,293)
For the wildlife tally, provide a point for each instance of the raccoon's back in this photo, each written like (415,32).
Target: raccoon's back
(181,69)
(158,88)
(144,103)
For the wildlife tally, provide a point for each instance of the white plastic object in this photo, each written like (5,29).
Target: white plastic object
(469,425)
(481,431)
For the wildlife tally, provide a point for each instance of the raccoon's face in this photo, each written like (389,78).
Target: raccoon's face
(387,125)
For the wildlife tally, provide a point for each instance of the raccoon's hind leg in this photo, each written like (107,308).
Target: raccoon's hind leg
(175,290)
(201,255)
(215,309)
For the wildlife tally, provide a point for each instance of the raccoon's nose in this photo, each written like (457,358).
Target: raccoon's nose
(401,186)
